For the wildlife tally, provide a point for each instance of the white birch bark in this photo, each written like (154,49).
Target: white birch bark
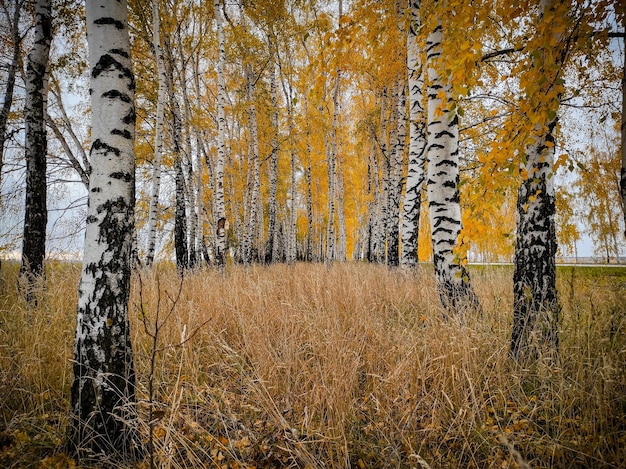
(386,179)
(36,147)
(417,144)
(103,390)
(272,227)
(623,137)
(158,133)
(254,190)
(293,192)
(535,304)
(453,283)
(180,215)
(536,308)
(342,242)
(331,249)
(395,179)
(218,200)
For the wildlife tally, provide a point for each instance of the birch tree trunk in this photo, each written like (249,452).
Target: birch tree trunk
(36,215)
(623,136)
(254,191)
(342,242)
(180,214)
(218,199)
(309,188)
(273,252)
(190,180)
(395,182)
(331,248)
(453,282)
(386,180)
(373,190)
(535,304)
(158,133)
(293,194)
(536,309)
(103,390)
(417,144)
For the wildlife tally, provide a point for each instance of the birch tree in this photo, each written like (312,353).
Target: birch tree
(252,215)
(536,308)
(218,199)
(180,215)
(453,282)
(36,211)
(103,390)
(417,143)
(158,133)
(623,123)
(273,249)
(332,148)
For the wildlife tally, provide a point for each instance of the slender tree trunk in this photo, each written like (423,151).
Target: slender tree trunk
(272,253)
(417,144)
(36,215)
(341,249)
(103,390)
(385,145)
(309,189)
(331,248)
(254,191)
(536,308)
(190,180)
(330,227)
(623,136)
(535,304)
(453,282)
(218,200)
(180,215)
(158,133)
(293,193)
(395,187)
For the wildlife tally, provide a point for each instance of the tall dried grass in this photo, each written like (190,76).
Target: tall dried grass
(346,366)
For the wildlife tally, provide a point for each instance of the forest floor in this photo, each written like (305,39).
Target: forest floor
(347,366)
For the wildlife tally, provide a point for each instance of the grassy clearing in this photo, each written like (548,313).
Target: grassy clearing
(350,366)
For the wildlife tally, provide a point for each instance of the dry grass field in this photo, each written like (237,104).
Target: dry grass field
(347,366)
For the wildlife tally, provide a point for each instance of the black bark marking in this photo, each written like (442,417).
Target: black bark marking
(126,177)
(110,21)
(100,145)
(120,52)
(444,133)
(107,62)
(124,133)
(115,94)
(92,219)
(447,162)
(442,219)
